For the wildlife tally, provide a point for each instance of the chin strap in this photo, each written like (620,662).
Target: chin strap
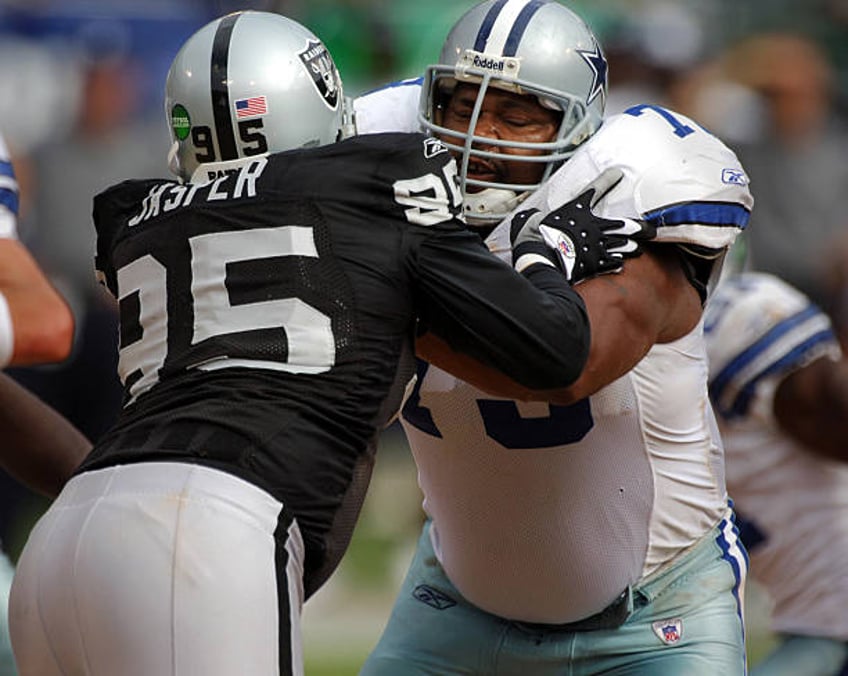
(490,205)
(348,128)
(173,160)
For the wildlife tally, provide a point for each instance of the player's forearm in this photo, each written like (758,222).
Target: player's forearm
(44,330)
(433,349)
(40,448)
(534,330)
(41,326)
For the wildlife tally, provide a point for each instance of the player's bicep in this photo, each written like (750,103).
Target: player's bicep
(650,302)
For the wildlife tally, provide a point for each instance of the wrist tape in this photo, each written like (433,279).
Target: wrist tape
(7,334)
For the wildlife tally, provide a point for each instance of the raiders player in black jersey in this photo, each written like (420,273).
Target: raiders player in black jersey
(268,306)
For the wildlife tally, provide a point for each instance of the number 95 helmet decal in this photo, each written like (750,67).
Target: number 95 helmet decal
(533,47)
(250,83)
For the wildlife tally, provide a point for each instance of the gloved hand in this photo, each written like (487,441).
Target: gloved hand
(575,239)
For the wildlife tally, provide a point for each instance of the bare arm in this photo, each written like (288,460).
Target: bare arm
(811,405)
(42,322)
(40,448)
(650,302)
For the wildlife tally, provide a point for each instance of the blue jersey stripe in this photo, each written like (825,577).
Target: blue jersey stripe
(9,199)
(743,400)
(487,25)
(703,213)
(414,82)
(719,384)
(753,351)
(520,25)
(722,380)
(6,169)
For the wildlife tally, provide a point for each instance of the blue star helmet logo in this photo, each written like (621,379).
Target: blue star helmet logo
(598,63)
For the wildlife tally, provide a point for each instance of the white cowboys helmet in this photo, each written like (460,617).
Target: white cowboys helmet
(247,84)
(536,47)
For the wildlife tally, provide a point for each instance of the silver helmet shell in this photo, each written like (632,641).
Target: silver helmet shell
(530,47)
(247,84)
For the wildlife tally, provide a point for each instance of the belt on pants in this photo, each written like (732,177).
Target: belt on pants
(611,617)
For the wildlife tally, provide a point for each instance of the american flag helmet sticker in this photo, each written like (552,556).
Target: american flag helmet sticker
(251,107)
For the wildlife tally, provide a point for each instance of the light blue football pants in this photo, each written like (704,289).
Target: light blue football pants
(807,655)
(684,621)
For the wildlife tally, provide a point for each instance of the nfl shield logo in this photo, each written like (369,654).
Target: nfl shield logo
(669,631)
(323,71)
(566,246)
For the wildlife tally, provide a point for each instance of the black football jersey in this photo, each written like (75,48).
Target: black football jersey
(267,316)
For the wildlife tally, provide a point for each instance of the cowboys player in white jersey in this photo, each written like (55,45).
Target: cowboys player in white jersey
(269,303)
(779,385)
(593,535)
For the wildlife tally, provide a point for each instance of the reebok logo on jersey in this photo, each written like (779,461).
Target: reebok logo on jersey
(433,597)
(734,177)
(669,631)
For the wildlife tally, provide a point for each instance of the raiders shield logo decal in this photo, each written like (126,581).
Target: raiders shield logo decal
(320,65)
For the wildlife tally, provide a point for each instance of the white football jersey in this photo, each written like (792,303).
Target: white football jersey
(792,504)
(546,513)
(8,194)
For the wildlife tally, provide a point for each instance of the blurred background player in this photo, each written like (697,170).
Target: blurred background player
(779,384)
(268,304)
(594,536)
(38,447)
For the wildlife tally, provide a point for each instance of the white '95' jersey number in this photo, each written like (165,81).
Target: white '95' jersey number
(145,283)
(432,199)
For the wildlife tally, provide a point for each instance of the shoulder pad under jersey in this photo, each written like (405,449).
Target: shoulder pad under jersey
(677,175)
(393,107)
(758,329)
(8,194)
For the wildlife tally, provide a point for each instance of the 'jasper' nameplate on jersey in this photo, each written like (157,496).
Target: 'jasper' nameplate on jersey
(165,197)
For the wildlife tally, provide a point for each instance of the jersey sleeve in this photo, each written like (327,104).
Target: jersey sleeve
(758,330)
(532,328)
(677,175)
(8,195)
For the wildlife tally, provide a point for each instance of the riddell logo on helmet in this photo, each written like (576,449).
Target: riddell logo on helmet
(489,64)
(497,65)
